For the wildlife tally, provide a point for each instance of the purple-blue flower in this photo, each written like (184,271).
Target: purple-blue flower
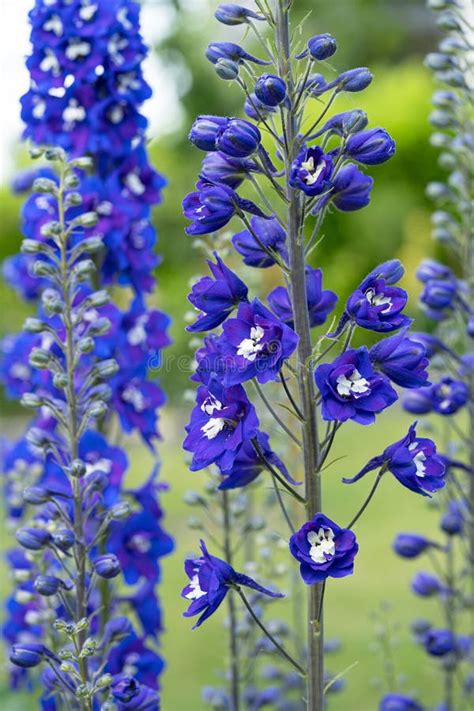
(216,296)
(370,147)
(351,189)
(412,545)
(351,389)
(403,359)
(249,464)
(211,207)
(216,167)
(311,171)
(413,461)
(255,344)
(232,14)
(439,642)
(270,90)
(221,422)
(210,580)
(445,397)
(320,301)
(399,702)
(426,584)
(269,237)
(377,305)
(323,550)
(232,51)
(138,543)
(438,298)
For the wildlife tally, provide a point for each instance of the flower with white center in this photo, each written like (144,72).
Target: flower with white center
(352,386)
(211,404)
(140,543)
(249,348)
(195,591)
(418,460)
(212,428)
(133,396)
(73,113)
(380,299)
(54,25)
(322,545)
(137,334)
(134,184)
(314,171)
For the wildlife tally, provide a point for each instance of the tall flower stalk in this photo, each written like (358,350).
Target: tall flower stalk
(447,300)
(293,163)
(82,364)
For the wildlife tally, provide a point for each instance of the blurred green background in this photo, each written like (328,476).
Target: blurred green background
(391,37)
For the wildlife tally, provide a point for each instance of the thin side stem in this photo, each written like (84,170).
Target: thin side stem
(272,639)
(233,641)
(368,499)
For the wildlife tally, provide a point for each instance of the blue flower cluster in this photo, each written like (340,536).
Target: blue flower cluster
(86,90)
(77,523)
(271,189)
(447,300)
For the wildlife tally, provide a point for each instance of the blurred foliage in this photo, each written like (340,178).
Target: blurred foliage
(389,36)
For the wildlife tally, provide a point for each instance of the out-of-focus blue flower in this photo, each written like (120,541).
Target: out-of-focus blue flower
(411,545)
(438,298)
(266,235)
(221,422)
(139,542)
(439,642)
(453,520)
(218,168)
(399,702)
(403,359)
(413,461)
(323,550)
(210,581)
(445,397)
(255,344)
(426,584)
(216,296)
(128,693)
(351,389)
(320,301)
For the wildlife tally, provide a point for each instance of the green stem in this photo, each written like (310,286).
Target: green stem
(272,639)
(72,427)
(296,247)
(233,641)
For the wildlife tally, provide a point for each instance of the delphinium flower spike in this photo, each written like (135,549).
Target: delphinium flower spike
(81,364)
(275,174)
(447,300)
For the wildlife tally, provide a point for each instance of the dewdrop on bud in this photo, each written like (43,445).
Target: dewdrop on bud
(73,200)
(71,181)
(60,381)
(85,345)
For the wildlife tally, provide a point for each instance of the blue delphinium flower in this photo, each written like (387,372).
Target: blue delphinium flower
(210,580)
(256,247)
(370,147)
(403,359)
(211,207)
(426,584)
(399,702)
(255,344)
(320,301)
(221,422)
(413,461)
(412,545)
(311,171)
(323,550)
(216,296)
(377,305)
(351,389)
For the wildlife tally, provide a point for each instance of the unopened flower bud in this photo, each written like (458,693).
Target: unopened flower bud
(85,345)
(42,269)
(88,219)
(39,358)
(270,90)
(31,400)
(60,381)
(104,681)
(227,69)
(27,655)
(34,539)
(63,539)
(77,468)
(34,325)
(119,511)
(97,409)
(45,185)
(35,495)
(107,566)
(47,585)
